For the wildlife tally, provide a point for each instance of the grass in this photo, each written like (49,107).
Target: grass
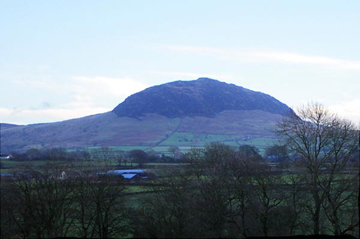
(260,143)
(116,148)
(11,166)
(192,139)
(186,141)
(136,189)
(165,164)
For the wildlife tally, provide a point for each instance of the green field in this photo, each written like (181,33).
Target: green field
(186,141)
(116,148)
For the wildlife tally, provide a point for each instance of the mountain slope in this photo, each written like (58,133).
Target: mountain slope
(5,126)
(178,113)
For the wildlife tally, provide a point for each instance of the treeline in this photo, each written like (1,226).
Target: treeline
(225,192)
(221,192)
(51,154)
(44,204)
(100,154)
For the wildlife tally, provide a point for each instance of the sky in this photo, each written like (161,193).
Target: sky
(67,59)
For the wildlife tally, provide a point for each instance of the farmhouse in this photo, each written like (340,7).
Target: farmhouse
(130,174)
(6,156)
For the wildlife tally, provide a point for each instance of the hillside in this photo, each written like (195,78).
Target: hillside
(202,97)
(5,126)
(181,113)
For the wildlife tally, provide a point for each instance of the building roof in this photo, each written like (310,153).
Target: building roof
(128,171)
(6,156)
(129,176)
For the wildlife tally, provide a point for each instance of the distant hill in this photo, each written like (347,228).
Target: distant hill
(202,97)
(181,113)
(7,126)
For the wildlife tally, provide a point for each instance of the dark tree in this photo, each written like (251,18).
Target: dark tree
(325,143)
(223,179)
(33,154)
(99,206)
(248,151)
(139,156)
(168,212)
(279,154)
(43,206)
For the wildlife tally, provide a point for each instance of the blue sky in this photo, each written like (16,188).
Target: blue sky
(67,59)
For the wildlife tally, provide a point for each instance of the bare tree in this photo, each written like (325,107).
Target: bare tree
(295,199)
(103,155)
(44,207)
(167,210)
(325,142)
(279,154)
(340,204)
(58,202)
(268,194)
(214,196)
(99,206)
(9,202)
(225,189)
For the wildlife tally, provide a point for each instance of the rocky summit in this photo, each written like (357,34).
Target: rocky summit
(201,97)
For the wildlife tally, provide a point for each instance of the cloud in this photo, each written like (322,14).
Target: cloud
(349,110)
(32,116)
(102,91)
(86,88)
(88,95)
(6,111)
(120,87)
(43,105)
(267,56)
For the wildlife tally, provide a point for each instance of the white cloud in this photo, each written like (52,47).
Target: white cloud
(267,56)
(349,110)
(6,111)
(102,91)
(87,89)
(32,116)
(120,87)
(88,95)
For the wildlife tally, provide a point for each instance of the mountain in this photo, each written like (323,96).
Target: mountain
(8,126)
(202,97)
(181,113)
